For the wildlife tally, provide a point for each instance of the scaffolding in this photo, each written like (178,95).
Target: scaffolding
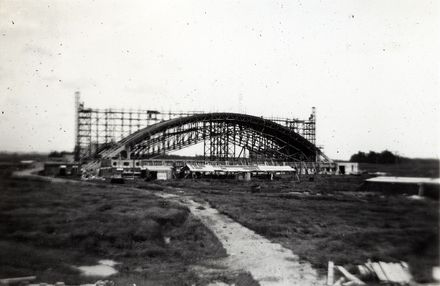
(99,129)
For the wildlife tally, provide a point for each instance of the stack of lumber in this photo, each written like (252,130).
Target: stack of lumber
(385,273)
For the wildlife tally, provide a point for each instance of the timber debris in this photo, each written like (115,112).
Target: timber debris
(386,273)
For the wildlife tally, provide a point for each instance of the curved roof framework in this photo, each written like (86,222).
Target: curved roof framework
(256,134)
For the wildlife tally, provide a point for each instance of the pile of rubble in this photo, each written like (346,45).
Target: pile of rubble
(385,273)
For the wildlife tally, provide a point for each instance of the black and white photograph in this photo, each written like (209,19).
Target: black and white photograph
(219,143)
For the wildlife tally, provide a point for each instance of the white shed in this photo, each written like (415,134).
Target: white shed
(163,172)
(347,168)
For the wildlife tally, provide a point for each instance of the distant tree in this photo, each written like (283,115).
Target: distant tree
(54,154)
(372,157)
(360,157)
(384,157)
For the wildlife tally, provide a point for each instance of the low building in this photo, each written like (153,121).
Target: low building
(240,172)
(61,169)
(150,170)
(161,172)
(347,168)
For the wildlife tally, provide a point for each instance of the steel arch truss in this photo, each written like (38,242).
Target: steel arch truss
(225,136)
(221,141)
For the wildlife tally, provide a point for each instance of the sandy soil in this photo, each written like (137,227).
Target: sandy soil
(269,263)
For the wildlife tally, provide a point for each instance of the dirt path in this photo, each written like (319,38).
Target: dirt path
(269,263)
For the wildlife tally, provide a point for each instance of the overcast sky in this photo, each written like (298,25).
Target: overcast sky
(371,68)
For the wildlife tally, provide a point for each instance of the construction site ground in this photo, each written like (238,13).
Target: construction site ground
(46,228)
(330,218)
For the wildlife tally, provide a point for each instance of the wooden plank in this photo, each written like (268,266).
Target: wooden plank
(404,264)
(349,283)
(394,272)
(362,270)
(404,272)
(405,268)
(339,281)
(436,273)
(379,273)
(14,280)
(330,273)
(391,272)
(365,271)
(370,267)
(350,276)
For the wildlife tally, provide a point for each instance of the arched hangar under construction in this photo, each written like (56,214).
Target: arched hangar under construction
(130,141)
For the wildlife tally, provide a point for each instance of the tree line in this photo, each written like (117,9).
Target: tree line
(384,157)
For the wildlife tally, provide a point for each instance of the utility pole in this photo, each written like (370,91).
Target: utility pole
(77,148)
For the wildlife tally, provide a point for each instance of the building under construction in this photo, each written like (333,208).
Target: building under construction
(116,134)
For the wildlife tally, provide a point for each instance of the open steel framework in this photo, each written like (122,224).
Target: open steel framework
(106,133)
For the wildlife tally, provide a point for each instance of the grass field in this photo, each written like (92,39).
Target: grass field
(46,228)
(414,168)
(328,219)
